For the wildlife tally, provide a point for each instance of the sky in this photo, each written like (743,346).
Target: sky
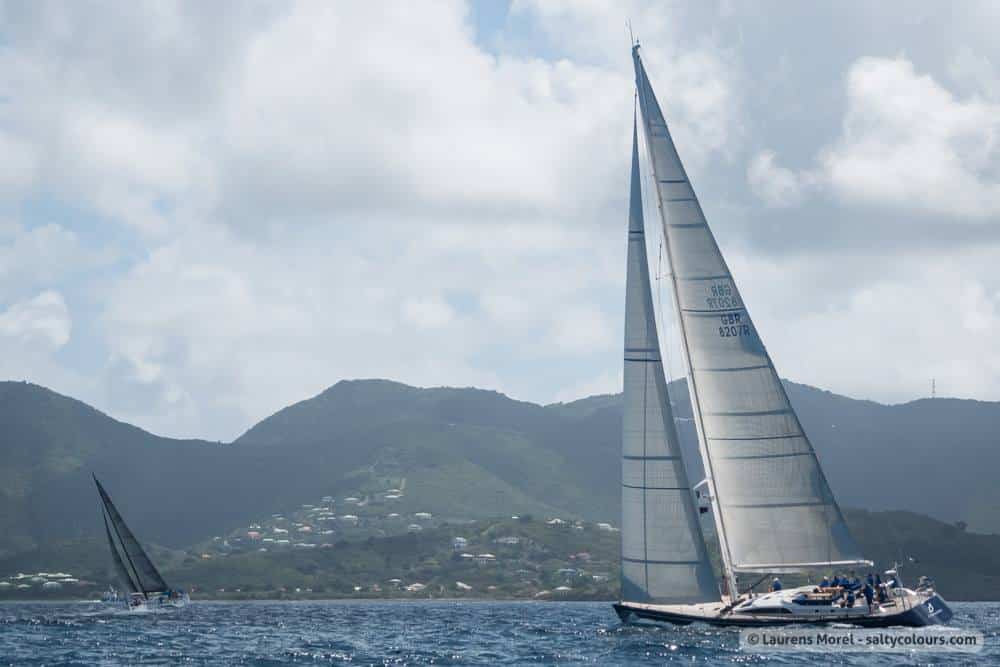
(209,211)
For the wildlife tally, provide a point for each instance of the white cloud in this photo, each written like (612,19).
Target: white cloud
(581,330)
(17,168)
(699,78)
(908,142)
(975,72)
(38,257)
(773,184)
(880,324)
(428,313)
(42,321)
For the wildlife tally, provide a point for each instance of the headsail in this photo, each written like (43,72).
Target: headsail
(775,511)
(664,559)
(120,570)
(146,575)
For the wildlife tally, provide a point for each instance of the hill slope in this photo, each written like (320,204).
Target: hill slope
(464,453)
(172,491)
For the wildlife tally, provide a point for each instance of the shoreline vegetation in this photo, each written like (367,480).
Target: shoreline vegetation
(522,558)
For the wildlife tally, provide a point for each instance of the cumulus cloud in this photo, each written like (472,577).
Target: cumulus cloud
(892,336)
(773,184)
(37,257)
(907,141)
(42,321)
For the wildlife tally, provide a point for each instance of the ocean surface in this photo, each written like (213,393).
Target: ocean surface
(399,633)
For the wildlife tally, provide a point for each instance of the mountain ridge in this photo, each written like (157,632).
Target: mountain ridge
(494,453)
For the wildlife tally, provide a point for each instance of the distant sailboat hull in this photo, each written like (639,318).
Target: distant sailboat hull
(912,609)
(155,602)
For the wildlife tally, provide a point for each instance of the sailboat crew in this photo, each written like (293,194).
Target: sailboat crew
(869,594)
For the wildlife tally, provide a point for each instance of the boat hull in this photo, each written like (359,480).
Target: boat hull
(930,611)
(155,602)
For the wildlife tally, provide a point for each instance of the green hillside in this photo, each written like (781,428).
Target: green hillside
(464,454)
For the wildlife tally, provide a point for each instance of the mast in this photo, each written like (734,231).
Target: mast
(720,527)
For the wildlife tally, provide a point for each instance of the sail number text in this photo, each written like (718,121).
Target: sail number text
(733,325)
(722,297)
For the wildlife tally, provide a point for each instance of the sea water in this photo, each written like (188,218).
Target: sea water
(398,633)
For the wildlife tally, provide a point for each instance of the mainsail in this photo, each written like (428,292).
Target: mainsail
(147,578)
(664,559)
(774,508)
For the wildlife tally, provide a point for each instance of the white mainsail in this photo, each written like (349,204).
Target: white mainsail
(774,508)
(664,559)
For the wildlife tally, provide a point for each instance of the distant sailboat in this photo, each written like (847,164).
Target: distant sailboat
(774,511)
(134,569)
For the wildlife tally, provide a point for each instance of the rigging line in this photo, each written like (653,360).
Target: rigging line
(663,333)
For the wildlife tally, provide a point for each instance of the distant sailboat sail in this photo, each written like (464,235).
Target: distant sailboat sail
(124,576)
(774,508)
(147,578)
(664,559)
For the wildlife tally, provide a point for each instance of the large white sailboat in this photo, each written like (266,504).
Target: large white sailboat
(773,510)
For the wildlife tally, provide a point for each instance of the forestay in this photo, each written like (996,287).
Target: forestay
(664,558)
(777,510)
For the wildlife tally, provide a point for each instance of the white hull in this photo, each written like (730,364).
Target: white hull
(155,603)
(906,608)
